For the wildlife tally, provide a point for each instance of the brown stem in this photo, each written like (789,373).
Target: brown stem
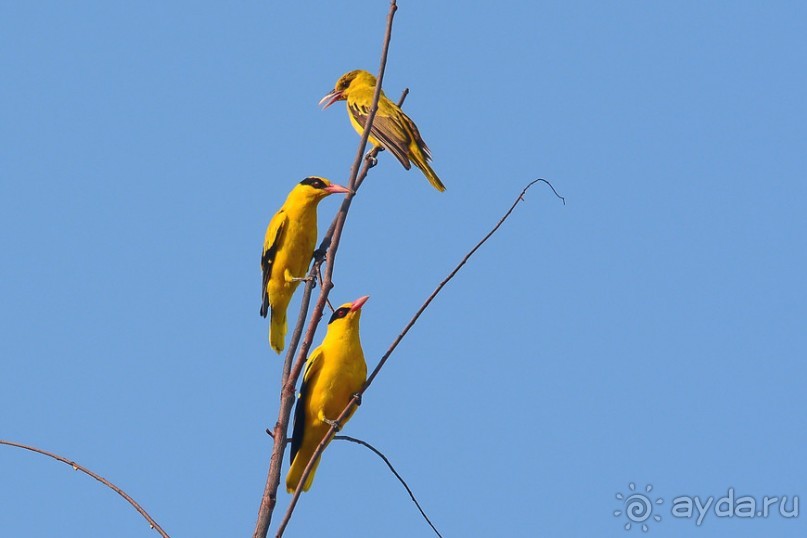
(333,243)
(153,524)
(269,498)
(330,244)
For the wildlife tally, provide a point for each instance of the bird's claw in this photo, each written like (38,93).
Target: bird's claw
(371,160)
(357,397)
(302,279)
(334,424)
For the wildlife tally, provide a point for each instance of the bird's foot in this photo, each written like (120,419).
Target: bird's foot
(357,397)
(334,424)
(370,158)
(302,278)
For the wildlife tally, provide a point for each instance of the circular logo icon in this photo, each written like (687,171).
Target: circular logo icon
(638,507)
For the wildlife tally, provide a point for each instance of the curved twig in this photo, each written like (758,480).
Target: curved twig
(355,399)
(442,284)
(76,467)
(391,468)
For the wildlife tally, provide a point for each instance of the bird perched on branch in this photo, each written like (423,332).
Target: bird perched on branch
(287,251)
(334,372)
(391,130)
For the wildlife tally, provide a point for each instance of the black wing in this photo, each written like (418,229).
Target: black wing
(270,244)
(299,411)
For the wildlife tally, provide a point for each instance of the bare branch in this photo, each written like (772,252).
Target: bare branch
(76,467)
(333,244)
(391,468)
(269,498)
(329,245)
(354,401)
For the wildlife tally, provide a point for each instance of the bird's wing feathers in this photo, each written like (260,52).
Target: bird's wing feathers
(418,139)
(312,365)
(274,233)
(387,129)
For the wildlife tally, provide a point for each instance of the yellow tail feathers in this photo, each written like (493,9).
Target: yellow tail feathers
(427,171)
(277,329)
(296,471)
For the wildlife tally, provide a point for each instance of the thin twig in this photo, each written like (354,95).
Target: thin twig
(442,284)
(333,244)
(329,245)
(355,399)
(391,468)
(320,279)
(76,467)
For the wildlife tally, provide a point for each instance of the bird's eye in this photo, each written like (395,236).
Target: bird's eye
(314,182)
(339,313)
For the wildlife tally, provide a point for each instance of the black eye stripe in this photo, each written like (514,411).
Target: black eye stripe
(315,182)
(344,82)
(339,313)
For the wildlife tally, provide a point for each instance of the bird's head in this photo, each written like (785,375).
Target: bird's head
(346,83)
(347,315)
(314,188)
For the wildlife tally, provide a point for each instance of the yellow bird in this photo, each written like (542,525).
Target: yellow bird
(287,250)
(392,129)
(334,372)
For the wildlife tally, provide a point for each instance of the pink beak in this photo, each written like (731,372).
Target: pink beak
(333,188)
(358,303)
(330,99)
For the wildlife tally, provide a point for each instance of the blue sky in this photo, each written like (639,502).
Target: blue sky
(651,331)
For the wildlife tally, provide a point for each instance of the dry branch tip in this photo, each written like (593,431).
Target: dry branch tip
(397,475)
